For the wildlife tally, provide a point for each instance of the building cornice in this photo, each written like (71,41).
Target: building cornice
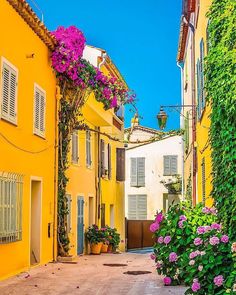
(29,16)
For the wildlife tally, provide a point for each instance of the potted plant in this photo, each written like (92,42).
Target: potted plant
(113,238)
(94,237)
(105,241)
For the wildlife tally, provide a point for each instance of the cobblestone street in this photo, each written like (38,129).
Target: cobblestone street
(90,276)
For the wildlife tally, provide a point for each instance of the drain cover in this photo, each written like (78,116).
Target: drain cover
(114,264)
(137,272)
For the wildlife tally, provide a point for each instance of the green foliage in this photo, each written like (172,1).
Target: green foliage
(94,235)
(113,237)
(220,70)
(173,185)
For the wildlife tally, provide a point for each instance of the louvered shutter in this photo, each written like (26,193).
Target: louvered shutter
(141,172)
(132,207)
(9,90)
(198,90)
(88,149)
(102,147)
(39,111)
(120,164)
(133,172)
(141,207)
(173,163)
(74,153)
(203,181)
(167,170)
(42,114)
(202,74)
(109,160)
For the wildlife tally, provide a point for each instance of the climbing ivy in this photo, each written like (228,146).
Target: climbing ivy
(221,94)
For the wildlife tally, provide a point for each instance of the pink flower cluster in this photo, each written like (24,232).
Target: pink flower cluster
(198,241)
(182,219)
(156,224)
(219,280)
(173,257)
(196,286)
(167,281)
(196,253)
(207,210)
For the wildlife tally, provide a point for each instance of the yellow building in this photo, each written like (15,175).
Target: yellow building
(192,50)
(95,189)
(27,141)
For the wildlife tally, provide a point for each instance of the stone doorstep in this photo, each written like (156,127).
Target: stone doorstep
(69,258)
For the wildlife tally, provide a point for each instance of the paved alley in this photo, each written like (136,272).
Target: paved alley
(90,276)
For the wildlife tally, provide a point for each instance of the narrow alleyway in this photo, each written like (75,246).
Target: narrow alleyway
(90,276)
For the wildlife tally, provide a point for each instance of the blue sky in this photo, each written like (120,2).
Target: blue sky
(141,37)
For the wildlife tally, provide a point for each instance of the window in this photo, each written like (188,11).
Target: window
(39,111)
(120,164)
(68,217)
(137,172)
(203,181)
(102,149)
(105,159)
(9,92)
(74,152)
(11,187)
(201,100)
(137,207)
(88,149)
(170,165)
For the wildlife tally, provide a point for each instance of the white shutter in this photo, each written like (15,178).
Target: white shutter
(141,207)
(132,207)
(74,153)
(133,172)
(141,172)
(39,111)
(173,163)
(88,148)
(167,165)
(9,92)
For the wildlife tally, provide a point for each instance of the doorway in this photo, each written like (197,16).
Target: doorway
(80,225)
(35,230)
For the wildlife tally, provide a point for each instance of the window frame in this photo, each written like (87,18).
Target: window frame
(7,117)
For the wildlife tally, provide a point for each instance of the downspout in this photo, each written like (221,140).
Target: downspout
(58,97)
(98,207)
(192,29)
(180,65)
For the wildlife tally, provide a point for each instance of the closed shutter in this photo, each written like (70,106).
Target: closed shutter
(88,148)
(141,172)
(137,207)
(9,90)
(167,165)
(133,172)
(202,55)
(39,111)
(109,160)
(120,164)
(198,90)
(102,147)
(173,164)
(74,153)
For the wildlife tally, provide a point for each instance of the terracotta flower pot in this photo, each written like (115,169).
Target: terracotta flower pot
(96,248)
(110,249)
(104,248)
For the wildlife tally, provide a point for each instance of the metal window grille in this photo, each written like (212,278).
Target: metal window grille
(11,192)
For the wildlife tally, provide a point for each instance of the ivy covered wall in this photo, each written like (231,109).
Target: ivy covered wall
(221,93)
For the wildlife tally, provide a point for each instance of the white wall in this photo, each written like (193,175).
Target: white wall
(153,153)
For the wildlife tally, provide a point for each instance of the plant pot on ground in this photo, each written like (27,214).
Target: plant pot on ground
(94,237)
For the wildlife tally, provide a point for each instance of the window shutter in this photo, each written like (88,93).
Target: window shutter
(42,114)
(88,148)
(141,172)
(203,181)
(142,207)
(120,164)
(109,160)
(102,147)
(132,204)
(202,74)
(198,90)
(167,165)
(173,164)
(36,110)
(9,90)
(133,172)
(39,111)
(74,153)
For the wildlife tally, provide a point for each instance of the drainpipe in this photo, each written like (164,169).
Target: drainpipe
(194,137)
(180,65)
(98,186)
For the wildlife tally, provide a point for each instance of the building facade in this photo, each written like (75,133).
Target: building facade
(28,140)
(151,163)
(96,174)
(193,46)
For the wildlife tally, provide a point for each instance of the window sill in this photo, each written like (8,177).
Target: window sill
(7,120)
(40,135)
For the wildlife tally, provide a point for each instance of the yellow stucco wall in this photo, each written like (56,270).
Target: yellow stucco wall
(17,41)
(203,145)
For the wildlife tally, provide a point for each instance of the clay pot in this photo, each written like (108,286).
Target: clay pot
(96,248)
(110,249)
(104,248)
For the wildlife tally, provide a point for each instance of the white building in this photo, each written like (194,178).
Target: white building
(151,157)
